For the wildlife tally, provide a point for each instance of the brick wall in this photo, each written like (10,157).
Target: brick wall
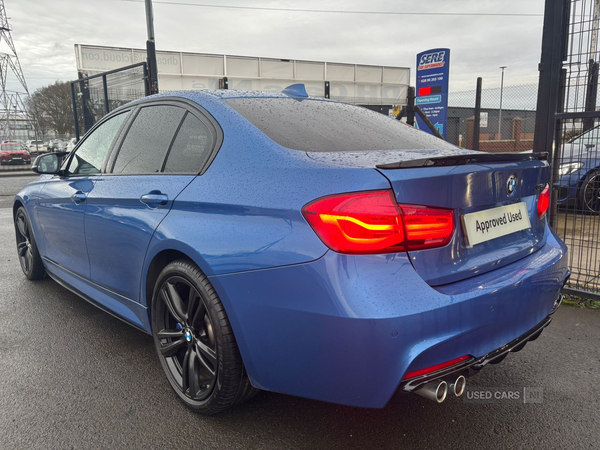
(518,142)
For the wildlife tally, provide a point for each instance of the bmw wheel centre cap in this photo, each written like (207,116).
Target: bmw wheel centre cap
(511,184)
(188,335)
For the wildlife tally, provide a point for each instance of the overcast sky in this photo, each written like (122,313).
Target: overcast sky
(45,31)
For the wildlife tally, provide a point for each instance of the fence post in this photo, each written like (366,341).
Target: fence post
(105,87)
(146,77)
(476,124)
(591,94)
(74,100)
(556,156)
(410,107)
(88,120)
(554,43)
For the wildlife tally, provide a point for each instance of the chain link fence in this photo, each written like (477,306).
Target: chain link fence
(502,130)
(577,148)
(97,95)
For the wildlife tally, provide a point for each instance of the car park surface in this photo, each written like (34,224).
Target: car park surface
(81,372)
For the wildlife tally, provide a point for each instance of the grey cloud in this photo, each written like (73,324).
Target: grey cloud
(45,32)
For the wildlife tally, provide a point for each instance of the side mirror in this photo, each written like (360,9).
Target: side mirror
(47,164)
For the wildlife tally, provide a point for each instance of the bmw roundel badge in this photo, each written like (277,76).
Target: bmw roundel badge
(511,184)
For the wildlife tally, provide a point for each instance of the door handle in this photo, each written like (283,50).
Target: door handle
(154,199)
(78,197)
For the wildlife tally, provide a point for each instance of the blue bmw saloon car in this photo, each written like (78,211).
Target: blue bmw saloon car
(296,245)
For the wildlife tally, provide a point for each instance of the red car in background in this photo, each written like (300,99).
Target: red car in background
(14,153)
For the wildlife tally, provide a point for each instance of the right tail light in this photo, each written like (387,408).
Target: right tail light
(543,202)
(373,222)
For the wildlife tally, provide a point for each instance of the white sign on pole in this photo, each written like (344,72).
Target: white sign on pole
(483,120)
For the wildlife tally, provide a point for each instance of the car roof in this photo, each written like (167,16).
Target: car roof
(219,94)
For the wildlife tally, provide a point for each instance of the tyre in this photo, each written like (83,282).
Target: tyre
(29,257)
(195,342)
(589,193)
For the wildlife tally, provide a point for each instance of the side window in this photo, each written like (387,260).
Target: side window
(91,153)
(148,140)
(191,147)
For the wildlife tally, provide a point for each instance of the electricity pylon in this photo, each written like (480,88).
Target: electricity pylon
(13,110)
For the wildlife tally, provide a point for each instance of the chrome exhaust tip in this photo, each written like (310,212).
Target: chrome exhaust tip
(435,390)
(459,386)
(557,303)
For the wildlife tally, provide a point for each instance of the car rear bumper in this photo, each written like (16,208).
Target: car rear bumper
(16,162)
(346,328)
(473,365)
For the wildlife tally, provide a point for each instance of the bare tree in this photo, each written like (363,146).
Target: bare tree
(51,106)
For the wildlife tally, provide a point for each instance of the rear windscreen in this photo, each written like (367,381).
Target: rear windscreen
(322,126)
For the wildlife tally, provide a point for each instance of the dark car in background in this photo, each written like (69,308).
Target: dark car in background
(14,153)
(579,172)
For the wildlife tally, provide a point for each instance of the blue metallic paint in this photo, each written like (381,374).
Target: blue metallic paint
(115,218)
(60,218)
(308,321)
(324,329)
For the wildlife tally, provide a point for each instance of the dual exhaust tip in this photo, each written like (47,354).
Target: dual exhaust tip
(438,390)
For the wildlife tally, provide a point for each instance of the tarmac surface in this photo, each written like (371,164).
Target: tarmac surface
(72,376)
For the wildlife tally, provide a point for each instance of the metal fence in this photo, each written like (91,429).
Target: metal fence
(569,131)
(577,216)
(508,118)
(97,95)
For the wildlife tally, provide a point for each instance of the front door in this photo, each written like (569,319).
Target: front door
(62,204)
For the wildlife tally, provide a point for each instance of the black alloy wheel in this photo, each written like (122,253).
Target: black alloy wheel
(589,193)
(186,336)
(29,257)
(194,341)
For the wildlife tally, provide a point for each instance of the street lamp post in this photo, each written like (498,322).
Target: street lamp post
(500,114)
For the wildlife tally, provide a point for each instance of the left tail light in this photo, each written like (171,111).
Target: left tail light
(543,202)
(372,222)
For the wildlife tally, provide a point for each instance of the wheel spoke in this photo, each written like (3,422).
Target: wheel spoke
(207,356)
(171,348)
(22,226)
(192,306)
(22,248)
(193,375)
(185,373)
(165,334)
(28,258)
(174,302)
(198,311)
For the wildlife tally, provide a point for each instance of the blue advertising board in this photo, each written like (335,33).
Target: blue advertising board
(433,67)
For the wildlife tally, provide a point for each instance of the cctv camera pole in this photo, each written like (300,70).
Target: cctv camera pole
(151,49)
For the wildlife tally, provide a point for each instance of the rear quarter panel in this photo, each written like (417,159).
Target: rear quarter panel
(244,213)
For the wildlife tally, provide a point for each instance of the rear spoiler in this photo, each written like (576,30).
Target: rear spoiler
(461,160)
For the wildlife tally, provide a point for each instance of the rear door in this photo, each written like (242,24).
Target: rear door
(165,147)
